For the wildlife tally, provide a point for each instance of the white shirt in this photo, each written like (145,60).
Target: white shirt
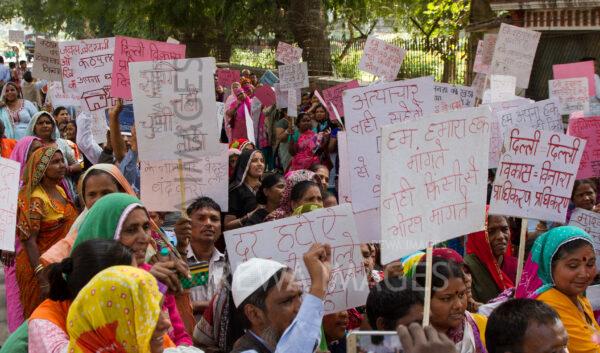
(216,268)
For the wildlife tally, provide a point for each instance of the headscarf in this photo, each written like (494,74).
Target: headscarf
(446,254)
(19,153)
(116,311)
(240,144)
(409,262)
(241,168)
(31,127)
(478,244)
(19,92)
(285,205)
(9,128)
(105,219)
(539,264)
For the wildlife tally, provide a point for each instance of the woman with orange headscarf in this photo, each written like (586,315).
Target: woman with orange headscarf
(45,215)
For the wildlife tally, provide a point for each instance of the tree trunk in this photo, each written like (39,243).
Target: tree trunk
(196,49)
(307,20)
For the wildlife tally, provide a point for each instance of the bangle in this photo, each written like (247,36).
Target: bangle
(38,268)
(45,286)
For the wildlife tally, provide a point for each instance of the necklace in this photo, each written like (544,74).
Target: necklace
(14,114)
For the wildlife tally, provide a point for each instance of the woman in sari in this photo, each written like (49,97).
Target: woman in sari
(243,187)
(15,112)
(6,145)
(561,266)
(122,217)
(489,259)
(236,113)
(285,206)
(306,145)
(45,215)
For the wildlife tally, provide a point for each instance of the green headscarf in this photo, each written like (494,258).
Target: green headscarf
(105,219)
(547,245)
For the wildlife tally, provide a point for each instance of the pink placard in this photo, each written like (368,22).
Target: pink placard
(333,95)
(226,77)
(133,50)
(588,129)
(573,70)
(266,95)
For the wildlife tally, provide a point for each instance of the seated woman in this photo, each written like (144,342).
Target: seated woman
(243,187)
(122,217)
(285,205)
(489,260)
(564,260)
(449,313)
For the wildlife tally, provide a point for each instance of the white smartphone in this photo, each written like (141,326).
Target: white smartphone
(373,342)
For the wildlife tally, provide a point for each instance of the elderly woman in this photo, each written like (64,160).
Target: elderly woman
(15,112)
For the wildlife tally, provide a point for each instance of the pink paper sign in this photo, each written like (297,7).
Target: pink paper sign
(265,95)
(226,77)
(288,54)
(580,69)
(333,95)
(134,50)
(587,129)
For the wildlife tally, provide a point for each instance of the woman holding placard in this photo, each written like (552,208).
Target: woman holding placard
(246,179)
(15,112)
(306,146)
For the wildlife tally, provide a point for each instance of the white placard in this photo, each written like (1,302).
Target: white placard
(286,240)
(58,97)
(293,76)
(502,88)
(514,53)
(292,103)
(366,110)
(16,36)
(536,174)
(590,222)
(220,116)
(204,176)
(485,51)
(572,93)
(543,115)
(175,108)
(433,180)
(282,96)
(99,126)
(381,59)
(46,60)
(249,125)
(449,97)
(288,54)
(9,195)
(479,85)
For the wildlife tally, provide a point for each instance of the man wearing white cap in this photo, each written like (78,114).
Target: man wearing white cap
(277,316)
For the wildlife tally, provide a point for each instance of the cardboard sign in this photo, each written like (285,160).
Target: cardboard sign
(174,105)
(580,69)
(288,54)
(514,53)
(366,109)
(572,93)
(128,50)
(587,129)
(542,115)
(266,95)
(333,96)
(536,174)
(381,59)
(9,194)
(449,97)
(590,222)
(502,88)
(479,85)
(293,76)
(46,63)
(433,180)
(485,52)
(203,176)
(226,78)
(286,240)
(269,78)
(282,96)
(59,98)
(16,36)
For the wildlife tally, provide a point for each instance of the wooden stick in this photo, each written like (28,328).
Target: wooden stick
(522,241)
(428,271)
(181,186)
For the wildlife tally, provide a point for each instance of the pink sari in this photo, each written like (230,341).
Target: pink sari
(308,143)
(238,122)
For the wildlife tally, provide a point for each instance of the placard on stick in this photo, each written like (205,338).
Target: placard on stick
(333,95)
(579,69)
(572,93)
(16,36)
(449,97)
(288,54)
(590,222)
(514,53)
(293,76)
(381,59)
(589,130)
(485,52)
(46,63)
(433,181)
(9,194)
(226,78)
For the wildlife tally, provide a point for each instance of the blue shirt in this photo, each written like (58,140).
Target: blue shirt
(131,171)
(304,332)
(4,73)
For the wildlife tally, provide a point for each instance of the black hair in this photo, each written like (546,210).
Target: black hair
(327,194)
(2,128)
(299,117)
(443,270)
(28,77)
(507,325)
(1,59)
(390,300)
(69,276)
(300,188)
(203,202)
(579,182)
(22,62)
(259,296)
(57,110)
(569,248)
(268,181)
(316,166)
(12,65)
(587,58)
(99,172)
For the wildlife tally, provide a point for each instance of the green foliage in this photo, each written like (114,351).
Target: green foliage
(264,59)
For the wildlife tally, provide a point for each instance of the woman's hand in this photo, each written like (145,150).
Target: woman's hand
(168,273)
(43,283)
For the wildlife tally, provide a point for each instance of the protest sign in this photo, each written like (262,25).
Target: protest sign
(590,222)
(220,116)
(226,78)
(125,118)
(16,36)
(269,78)
(514,53)
(536,174)
(479,85)
(58,97)
(381,59)
(292,104)
(172,40)
(589,130)
(266,95)
(447,97)
(174,105)
(368,108)
(203,176)
(87,70)
(293,76)
(344,193)
(485,52)
(9,193)
(572,93)
(286,240)
(99,126)
(433,180)
(542,115)
(579,69)
(46,63)
(502,88)
(128,50)
(288,54)
(282,96)
(333,96)
(249,125)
